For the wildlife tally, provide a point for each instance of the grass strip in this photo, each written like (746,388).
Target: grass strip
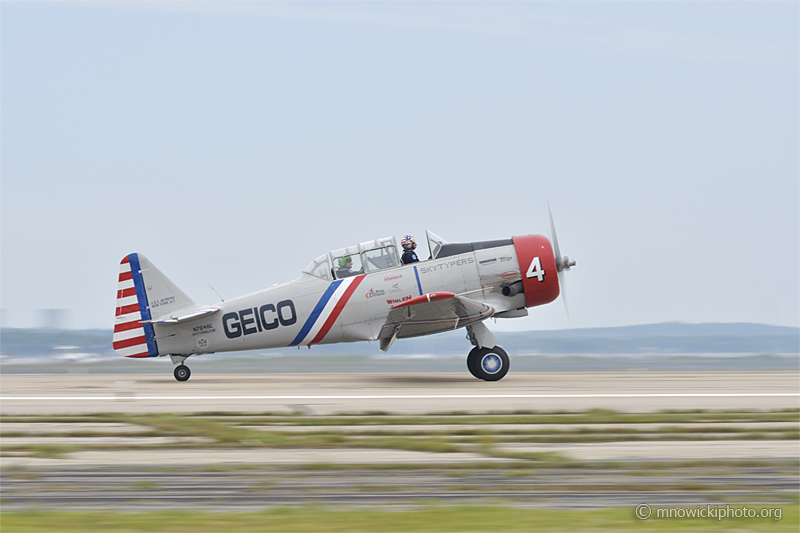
(432,518)
(589,417)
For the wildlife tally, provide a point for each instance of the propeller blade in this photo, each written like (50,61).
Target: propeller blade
(554,237)
(562,263)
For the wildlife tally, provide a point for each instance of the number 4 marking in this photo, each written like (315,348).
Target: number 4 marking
(535,270)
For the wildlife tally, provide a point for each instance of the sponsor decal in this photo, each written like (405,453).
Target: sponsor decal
(390,278)
(509,274)
(205,328)
(488,261)
(506,258)
(399,301)
(395,288)
(163,301)
(373,293)
(202,342)
(249,321)
(447,265)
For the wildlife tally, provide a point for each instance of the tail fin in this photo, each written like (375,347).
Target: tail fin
(143,294)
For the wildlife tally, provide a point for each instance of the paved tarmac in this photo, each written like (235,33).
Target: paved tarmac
(666,450)
(603,451)
(396,393)
(271,456)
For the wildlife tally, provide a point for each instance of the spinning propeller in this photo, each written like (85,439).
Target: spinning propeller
(562,263)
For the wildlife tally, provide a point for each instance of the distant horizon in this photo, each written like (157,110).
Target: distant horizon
(644,340)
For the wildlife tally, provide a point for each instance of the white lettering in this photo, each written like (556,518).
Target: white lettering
(535,270)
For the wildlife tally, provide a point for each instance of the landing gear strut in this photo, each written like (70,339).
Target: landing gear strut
(182,372)
(488,364)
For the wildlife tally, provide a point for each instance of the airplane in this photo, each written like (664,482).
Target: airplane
(359,293)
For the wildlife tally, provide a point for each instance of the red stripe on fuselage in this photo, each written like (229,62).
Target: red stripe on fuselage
(127,343)
(337,309)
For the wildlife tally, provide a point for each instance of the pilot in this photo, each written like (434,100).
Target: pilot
(409,255)
(345,267)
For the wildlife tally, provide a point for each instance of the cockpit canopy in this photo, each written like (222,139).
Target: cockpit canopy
(370,256)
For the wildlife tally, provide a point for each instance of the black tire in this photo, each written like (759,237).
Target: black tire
(489,364)
(182,372)
(472,361)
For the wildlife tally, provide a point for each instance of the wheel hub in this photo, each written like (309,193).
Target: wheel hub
(491,363)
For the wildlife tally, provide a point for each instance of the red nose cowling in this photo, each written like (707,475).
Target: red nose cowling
(537,264)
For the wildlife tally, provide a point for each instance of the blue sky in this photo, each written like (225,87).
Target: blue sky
(233,142)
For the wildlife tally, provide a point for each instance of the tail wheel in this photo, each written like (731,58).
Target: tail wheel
(488,364)
(182,372)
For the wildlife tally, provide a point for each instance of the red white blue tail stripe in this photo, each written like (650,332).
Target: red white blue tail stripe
(131,337)
(327,311)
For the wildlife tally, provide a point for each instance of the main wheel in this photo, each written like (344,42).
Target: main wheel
(472,361)
(488,364)
(182,372)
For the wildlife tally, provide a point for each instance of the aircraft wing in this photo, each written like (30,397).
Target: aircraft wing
(431,313)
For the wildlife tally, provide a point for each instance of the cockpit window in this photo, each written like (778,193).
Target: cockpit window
(347,265)
(380,258)
(370,256)
(320,268)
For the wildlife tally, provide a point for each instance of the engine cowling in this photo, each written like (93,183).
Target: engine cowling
(537,264)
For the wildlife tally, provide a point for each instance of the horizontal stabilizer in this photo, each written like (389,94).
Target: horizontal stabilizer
(182,317)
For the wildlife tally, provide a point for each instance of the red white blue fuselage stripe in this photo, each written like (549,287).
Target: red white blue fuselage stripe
(327,310)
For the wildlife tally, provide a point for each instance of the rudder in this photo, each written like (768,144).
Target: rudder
(144,293)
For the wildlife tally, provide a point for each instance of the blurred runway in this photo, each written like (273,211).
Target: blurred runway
(254,457)
(396,393)
(122,488)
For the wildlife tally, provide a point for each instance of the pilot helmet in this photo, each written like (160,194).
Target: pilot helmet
(343,261)
(408,243)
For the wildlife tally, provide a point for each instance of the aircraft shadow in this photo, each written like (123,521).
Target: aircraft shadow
(416,379)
